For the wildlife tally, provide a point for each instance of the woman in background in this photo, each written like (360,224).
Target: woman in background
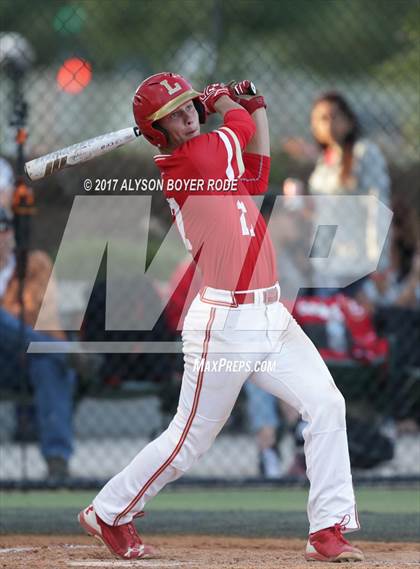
(349,165)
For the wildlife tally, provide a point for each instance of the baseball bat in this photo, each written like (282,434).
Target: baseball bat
(79,153)
(83,151)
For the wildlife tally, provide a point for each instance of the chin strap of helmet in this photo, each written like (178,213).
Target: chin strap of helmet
(199,107)
(160,128)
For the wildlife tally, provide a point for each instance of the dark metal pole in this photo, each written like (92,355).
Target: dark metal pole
(23,209)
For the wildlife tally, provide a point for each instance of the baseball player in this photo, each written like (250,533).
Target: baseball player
(237,316)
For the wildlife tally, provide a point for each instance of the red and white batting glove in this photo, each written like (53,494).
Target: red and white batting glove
(244,87)
(245,94)
(211,94)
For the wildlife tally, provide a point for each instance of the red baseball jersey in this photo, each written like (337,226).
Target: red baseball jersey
(208,182)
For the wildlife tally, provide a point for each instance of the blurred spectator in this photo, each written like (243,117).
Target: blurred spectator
(399,285)
(349,165)
(394,298)
(49,375)
(269,419)
(264,420)
(6,183)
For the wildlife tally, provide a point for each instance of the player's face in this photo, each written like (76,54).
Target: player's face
(181,125)
(329,125)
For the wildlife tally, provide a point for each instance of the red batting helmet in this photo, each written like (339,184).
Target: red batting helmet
(157,97)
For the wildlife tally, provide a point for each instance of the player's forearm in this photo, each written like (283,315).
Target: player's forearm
(225,104)
(260,142)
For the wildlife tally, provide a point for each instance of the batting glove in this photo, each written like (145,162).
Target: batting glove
(211,94)
(245,94)
(245,87)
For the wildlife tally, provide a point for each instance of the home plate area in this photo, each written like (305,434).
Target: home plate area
(191,552)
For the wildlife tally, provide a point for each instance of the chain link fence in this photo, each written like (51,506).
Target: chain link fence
(82,415)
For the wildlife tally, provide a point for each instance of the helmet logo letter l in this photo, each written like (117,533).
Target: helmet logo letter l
(171,90)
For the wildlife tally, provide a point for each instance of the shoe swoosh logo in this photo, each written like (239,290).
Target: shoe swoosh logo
(138,550)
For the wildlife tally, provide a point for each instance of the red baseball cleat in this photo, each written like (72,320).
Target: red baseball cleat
(329,545)
(122,541)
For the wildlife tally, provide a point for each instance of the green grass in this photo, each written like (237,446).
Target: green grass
(378,500)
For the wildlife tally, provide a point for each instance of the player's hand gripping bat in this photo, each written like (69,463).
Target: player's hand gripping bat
(245,94)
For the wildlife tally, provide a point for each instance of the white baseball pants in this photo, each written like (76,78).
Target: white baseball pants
(298,375)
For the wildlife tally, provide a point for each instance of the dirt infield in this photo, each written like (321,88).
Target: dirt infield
(191,552)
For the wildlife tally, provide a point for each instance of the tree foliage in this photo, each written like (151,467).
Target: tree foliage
(327,36)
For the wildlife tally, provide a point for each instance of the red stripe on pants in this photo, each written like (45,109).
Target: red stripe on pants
(186,428)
